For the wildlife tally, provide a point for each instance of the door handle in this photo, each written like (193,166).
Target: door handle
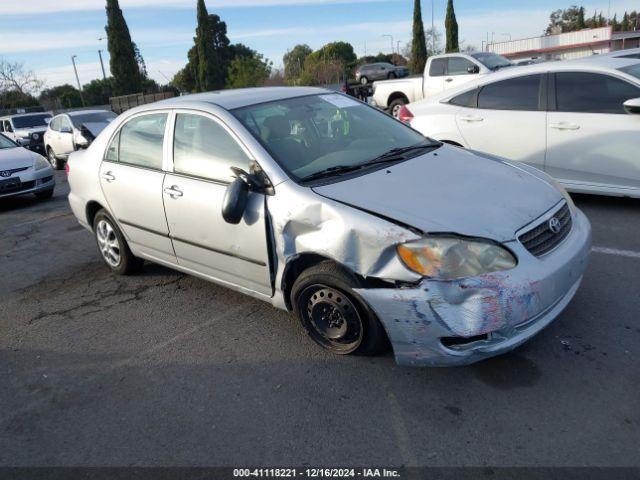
(448,79)
(564,126)
(173,191)
(471,118)
(108,176)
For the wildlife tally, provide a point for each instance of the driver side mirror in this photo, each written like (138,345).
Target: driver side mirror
(632,106)
(473,69)
(235,201)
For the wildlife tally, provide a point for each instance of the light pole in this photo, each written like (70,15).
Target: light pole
(433,33)
(104,75)
(73,60)
(391,37)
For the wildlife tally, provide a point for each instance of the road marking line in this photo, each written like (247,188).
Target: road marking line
(615,251)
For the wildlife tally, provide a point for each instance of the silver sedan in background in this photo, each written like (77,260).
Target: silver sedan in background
(23,171)
(369,232)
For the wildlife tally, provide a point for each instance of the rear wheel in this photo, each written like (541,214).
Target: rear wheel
(394,107)
(333,315)
(113,247)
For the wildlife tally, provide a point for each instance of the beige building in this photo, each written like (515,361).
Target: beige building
(565,46)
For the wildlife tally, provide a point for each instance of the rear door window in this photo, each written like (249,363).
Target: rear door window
(141,140)
(437,67)
(520,93)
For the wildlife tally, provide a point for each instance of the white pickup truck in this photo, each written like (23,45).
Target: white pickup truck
(441,72)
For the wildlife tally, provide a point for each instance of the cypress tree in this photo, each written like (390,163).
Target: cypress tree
(580,23)
(625,22)
(451,26)
(418,43)
(204,49)
(123,64)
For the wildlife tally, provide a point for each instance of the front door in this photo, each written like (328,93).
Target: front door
(591,140)
(203,151)
(64,142)
(131,177)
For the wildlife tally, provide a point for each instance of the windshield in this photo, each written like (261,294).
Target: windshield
(307,135)
(6,143)
(97,117)
(632,70)
(491,60)
(28,121)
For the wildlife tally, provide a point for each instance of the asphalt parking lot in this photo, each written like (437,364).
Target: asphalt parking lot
(165,369)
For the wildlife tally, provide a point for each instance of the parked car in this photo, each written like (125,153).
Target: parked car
(70,131)
(323,205)
(442,72)
(26,129)
(379,71)
(23,171)
(577,120)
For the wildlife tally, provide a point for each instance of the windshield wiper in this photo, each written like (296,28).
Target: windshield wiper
(331,171)
(400,153)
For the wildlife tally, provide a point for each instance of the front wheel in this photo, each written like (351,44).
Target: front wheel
(364,80)
(53,160)
(113,247)
(333,315)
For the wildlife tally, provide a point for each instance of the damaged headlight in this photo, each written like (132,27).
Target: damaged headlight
(448,257)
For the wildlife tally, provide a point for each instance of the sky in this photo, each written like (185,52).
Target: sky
(44,34)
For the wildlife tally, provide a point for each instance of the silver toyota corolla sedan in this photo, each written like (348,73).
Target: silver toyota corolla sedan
(324,206)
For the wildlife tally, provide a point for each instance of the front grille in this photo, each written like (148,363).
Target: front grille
(18,187)
(541,239)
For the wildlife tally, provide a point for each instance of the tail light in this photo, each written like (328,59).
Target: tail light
(405,115)
(66,167)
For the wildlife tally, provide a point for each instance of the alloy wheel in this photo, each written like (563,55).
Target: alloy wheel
(108,243)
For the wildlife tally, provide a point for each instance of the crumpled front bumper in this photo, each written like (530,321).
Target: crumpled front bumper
(485,315)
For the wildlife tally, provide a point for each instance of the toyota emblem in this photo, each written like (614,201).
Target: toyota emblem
(555,225)
(5,173)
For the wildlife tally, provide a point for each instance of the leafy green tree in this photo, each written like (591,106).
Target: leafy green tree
(614,23)
(418,57)
(97,92)
(124,67)
(61,96)
(451,26)
(248,71)
(294,60)
(17,99)
(211,51)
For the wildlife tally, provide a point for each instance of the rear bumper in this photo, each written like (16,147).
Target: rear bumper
(486,315)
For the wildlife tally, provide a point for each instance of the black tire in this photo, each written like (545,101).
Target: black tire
(394,107)
(391,75)
(364,80)
(126,263)
(333,315)
(55,162)
(44,194)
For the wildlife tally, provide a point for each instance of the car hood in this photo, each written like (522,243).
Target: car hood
(19,157)
(95,127)
(451,190)
(25,132)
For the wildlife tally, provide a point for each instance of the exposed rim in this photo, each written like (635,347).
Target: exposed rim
(108,243)
(364,80)
(331,318)
(52,158)
(395,111)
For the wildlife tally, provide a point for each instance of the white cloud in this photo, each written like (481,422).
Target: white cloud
(9,7)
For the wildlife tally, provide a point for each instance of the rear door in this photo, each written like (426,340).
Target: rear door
(434,82)
(508,119)
(204,149)
(131,176)
(591,140)
(458,72)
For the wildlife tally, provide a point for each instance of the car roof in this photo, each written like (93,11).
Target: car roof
(84,112)
(14,115)
(237,98)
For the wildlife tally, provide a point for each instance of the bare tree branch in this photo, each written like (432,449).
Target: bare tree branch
(14,77)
